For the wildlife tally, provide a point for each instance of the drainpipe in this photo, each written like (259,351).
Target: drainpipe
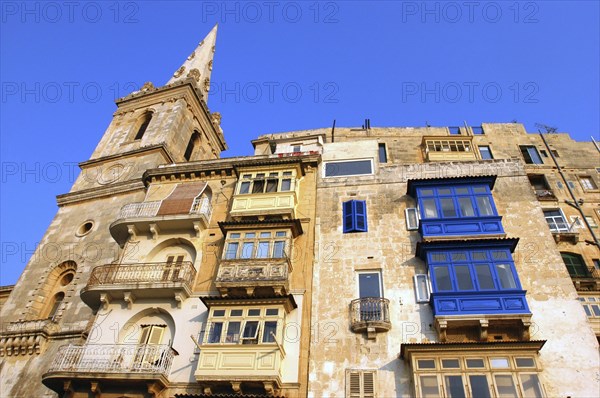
(595,143)
(575,202)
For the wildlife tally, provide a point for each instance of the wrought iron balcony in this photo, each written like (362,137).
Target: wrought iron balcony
(146,217)
(130,281)
(141,363)
(370,314)
(589,280)
(250,274)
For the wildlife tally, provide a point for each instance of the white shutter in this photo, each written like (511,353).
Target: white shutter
(421,288)
(412,218)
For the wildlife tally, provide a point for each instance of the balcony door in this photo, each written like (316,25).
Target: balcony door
(172,268)
(370,293)
(148,353)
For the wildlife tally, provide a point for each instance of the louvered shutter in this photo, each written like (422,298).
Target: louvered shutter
(368,387)
(348,216)
(354,385)
(360,384)
(360,215)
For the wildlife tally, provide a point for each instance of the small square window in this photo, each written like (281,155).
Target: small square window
(475,363)
(382,153)
(272,311)
(499,363)
(254,312)
(217,313)
(525,362)
(588,183)
(450,364)
(426,364)
(486,152)
(236,312)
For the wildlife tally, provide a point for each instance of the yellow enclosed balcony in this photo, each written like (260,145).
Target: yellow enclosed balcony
(242,350)
(266,192)
(142,280)
(445,149)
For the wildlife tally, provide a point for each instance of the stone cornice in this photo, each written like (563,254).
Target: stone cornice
(99,192)
(150,148)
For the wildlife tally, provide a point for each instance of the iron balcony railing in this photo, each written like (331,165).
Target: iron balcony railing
(591,272)
(370,310)
(114,358)
(113,274)
(150,209)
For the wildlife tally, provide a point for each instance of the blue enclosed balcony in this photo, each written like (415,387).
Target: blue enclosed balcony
(475,283)
(454,207)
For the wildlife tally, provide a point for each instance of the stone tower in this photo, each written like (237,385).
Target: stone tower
(151,127)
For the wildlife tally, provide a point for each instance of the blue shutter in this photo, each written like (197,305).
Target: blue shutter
(360,215)
(348,216)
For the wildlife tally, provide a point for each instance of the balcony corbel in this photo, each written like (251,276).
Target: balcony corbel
(129,298)
(154,230)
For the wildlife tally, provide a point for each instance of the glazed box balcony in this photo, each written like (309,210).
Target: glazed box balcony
(259,204)
(250,274)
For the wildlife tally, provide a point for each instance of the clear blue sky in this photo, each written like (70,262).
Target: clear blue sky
(279,66)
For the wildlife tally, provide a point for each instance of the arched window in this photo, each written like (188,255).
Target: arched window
(142,125)
(192,144)
(57,301)
(575,264)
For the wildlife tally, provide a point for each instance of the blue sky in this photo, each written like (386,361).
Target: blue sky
(279,66)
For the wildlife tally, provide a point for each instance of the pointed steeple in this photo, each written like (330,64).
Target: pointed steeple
(198,65)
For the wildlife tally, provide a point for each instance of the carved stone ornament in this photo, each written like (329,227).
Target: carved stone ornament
(201,43)
(210,64)
(207,84)
(148,86)
(216,118)
(179,72)
(192,55)
(213,49)
(194,74)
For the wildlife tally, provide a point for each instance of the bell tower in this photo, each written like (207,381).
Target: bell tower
(159,125)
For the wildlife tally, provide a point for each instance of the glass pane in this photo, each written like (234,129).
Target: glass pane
(236,312)
(272,185)
(531,386)
(250,234)
(461,191)
(426,364)
(422,290)
(429,209)
(280,233)
(463,277)
(247,250)
(286,184)
(235,235)
(499,255)
(429,387)
(250,329)
(265,235)
(218,312)
(348,168)
(448,208)
(425,192)
(466,207)
(233,332)
(478,256)
(525,362)
(245,187)
(484,276)
(485,152)
(454,387)
(480,189)
(259,186)
(587,310)
(479,386)
(499,363)
(596,310)
(215,333)
(272,311)
(444,191)
(254,312)
(442,279)
(263,250)
(507,280)
(534,155)
(450,363)
(506,386)
(368,285)
(278,247)
(231,250)
(438,257)
(270,332)
(460,256)
(382,154)
(475,363)
(484,205)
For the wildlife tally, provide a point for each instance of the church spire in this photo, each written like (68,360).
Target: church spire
(198,65)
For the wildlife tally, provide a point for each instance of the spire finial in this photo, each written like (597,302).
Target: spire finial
(198,65)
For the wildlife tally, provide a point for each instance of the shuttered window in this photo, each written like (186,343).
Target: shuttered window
(360,384)
(355,216)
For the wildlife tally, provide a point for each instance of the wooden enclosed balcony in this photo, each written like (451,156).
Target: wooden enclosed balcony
(444,149)
(161,215)
(371,315)
(130,281)
(146,364)
(261,204)
(249,275)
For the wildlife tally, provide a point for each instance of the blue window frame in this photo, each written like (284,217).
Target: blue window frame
(472,270)
(354,216)
(455,201)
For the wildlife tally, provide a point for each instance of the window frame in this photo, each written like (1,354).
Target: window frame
(589,185)
(422,280)
(489,151)
(471,262)
(256,241)
(525,149)
(333,162)
(244,319)
(360,373)
(581,264)
(382,155)
(567,227)
(353,215)
(252,178)
(455,197)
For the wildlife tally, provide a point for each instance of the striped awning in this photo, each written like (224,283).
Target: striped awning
(181,199)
